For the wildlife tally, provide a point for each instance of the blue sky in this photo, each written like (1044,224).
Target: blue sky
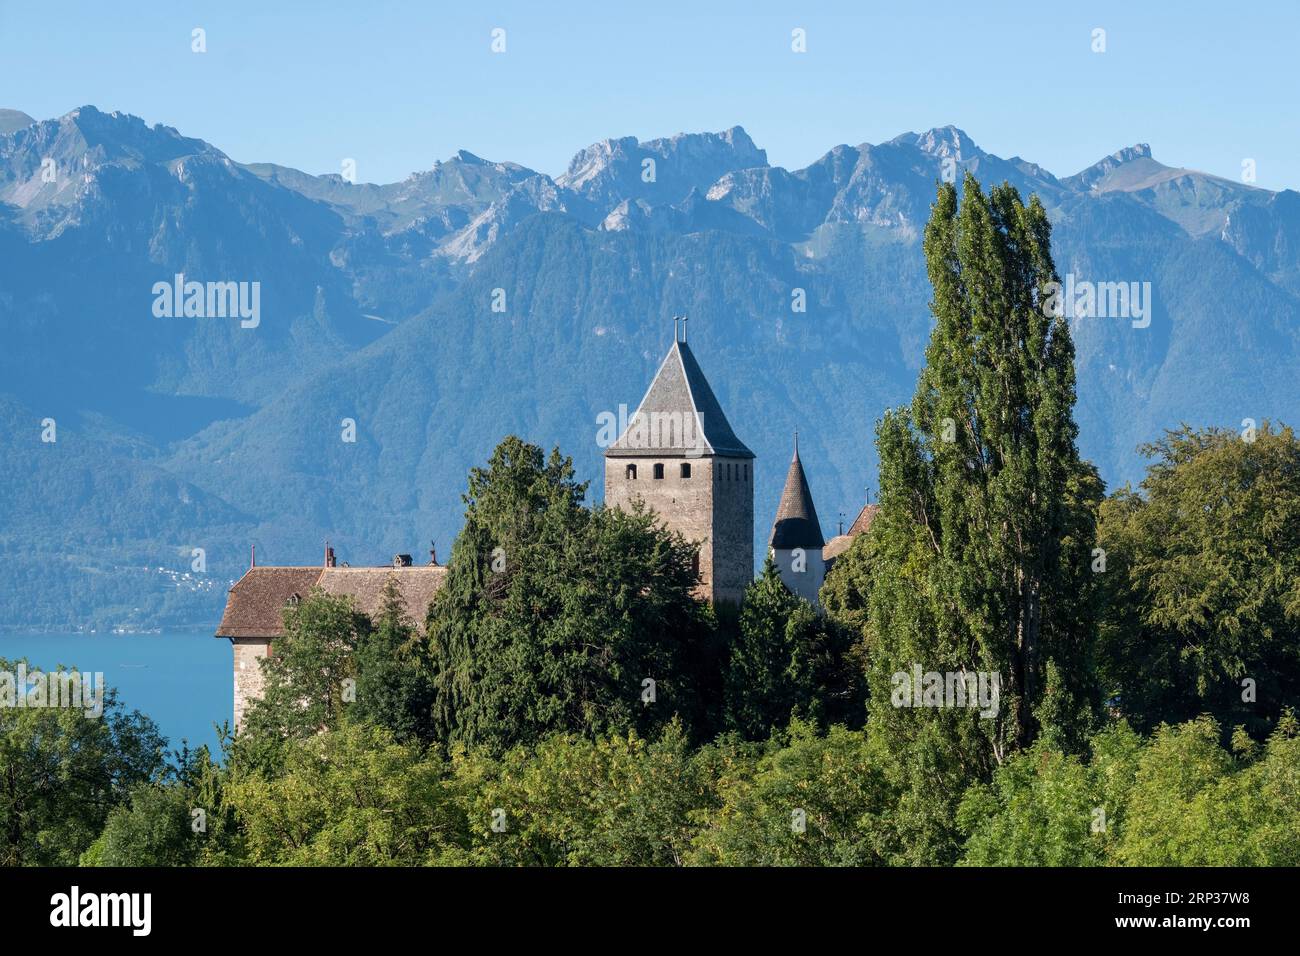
(397,85)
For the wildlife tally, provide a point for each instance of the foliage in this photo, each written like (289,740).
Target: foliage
(809,801)
(309,670)
(179,819)
(786,660)
(1203,581)
(982,545)
(348,796)
(553,616)
(393,689)
(62,772)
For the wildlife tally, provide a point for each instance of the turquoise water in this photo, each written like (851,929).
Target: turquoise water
(183,681)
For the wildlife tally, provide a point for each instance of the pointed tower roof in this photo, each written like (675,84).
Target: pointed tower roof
(796,524)
(679,416)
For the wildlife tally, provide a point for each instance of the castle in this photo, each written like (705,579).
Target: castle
(678,454)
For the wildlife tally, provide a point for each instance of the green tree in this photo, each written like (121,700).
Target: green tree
(179,819)
(846,592)
(574,801)
(309,673)
(1196,804)
(982,546)
(553,617)
(811,800)
(786,660)
(63,771)
(393,688)
(349,796)
(1045,807)
(1203,581)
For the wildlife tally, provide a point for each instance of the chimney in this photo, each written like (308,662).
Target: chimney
(330,560)
(401,560)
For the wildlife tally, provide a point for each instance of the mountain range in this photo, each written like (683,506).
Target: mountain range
(479,298)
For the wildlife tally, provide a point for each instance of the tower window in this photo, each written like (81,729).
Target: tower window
(659,470)
(686,470)
(747,472)
(728,471)
(631,472)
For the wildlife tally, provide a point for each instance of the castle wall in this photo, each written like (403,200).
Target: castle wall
(684,504)
(733,528)
(249,682)
(713,507)
(807,582)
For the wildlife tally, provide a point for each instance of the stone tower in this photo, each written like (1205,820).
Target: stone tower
(679,455)
(796,543)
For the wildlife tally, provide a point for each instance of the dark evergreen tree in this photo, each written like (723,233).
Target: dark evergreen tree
(557,618)
(789,661)
(393,689)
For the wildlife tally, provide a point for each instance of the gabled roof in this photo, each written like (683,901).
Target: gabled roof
(256,603)
(679,416)
(862,523)
(796,524)
(418,584)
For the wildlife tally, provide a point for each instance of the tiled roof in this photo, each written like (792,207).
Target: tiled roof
(255,606)
(418,584)
(796,524)
(862,523)
(679,415)
(256,603)
(837,546)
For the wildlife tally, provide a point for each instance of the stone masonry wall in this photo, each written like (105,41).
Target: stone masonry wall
(249,684)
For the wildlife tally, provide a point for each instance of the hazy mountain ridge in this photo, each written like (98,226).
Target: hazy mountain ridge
(592,265)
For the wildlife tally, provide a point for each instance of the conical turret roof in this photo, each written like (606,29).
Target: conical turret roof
(796,524)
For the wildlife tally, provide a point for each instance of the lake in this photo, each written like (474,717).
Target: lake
(185,682)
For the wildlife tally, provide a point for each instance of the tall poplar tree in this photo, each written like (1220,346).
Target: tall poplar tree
(984,540)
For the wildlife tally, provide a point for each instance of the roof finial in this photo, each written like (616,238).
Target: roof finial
(252,561)
(685,318)
(796,443)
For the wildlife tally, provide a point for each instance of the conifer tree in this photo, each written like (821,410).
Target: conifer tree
(554,617)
